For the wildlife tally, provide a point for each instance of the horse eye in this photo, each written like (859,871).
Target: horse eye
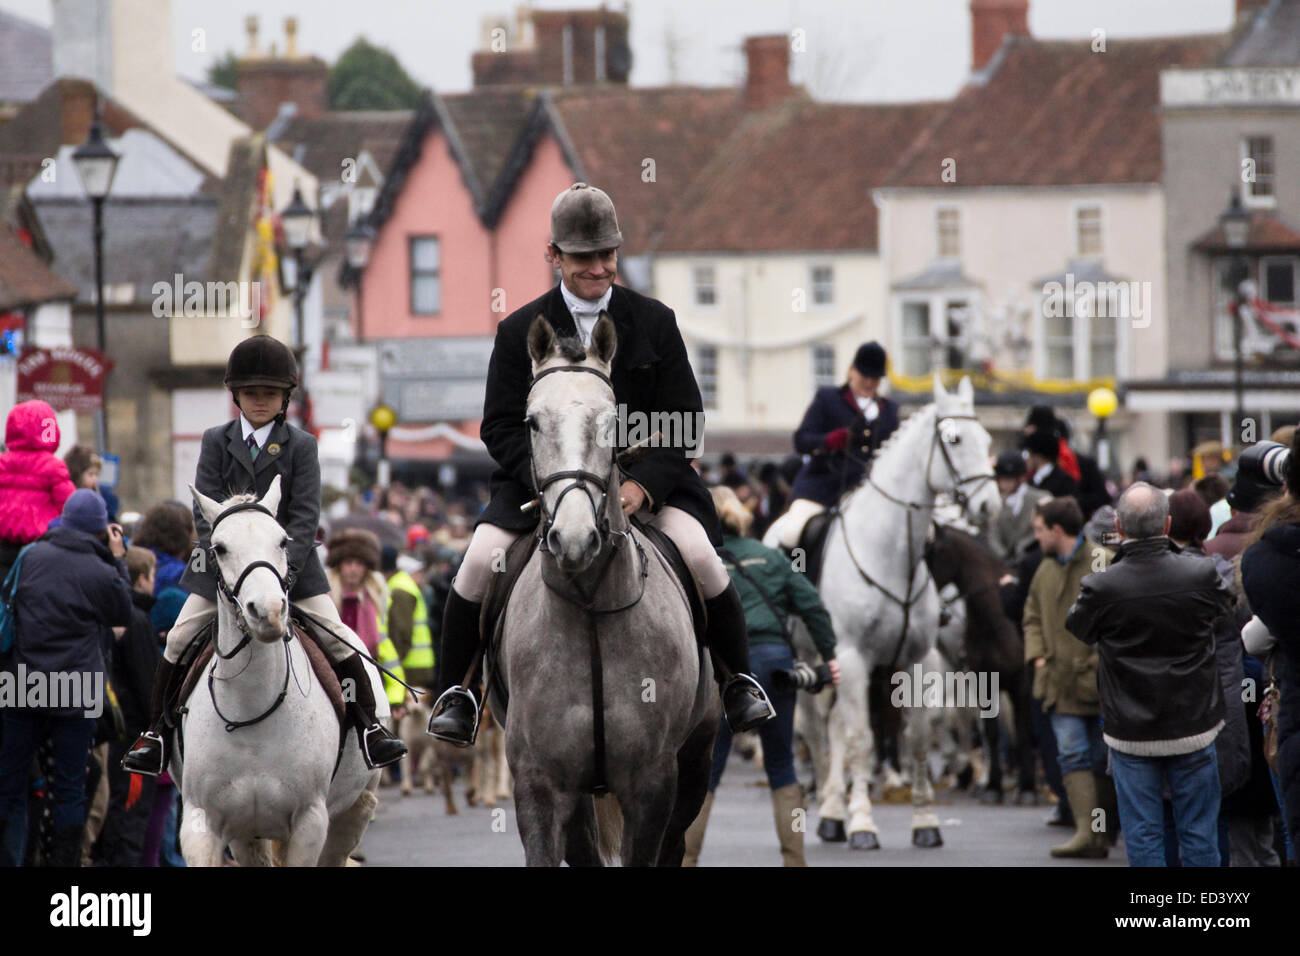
(532,423)
(284,543)
(219,548)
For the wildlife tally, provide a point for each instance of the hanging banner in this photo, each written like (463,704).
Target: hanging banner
(68,379)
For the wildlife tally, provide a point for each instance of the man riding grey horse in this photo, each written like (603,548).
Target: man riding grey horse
(651,375)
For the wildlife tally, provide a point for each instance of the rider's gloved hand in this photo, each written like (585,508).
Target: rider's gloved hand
(837,439)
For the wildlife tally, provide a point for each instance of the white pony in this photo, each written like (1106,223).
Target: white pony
(271,778)
(882,602)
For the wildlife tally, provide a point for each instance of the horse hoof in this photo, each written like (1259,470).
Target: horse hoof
(991,797)
(1027,798)
(831,831)
(926,837)
(864,840)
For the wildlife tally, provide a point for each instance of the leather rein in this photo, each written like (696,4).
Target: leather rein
(910,508)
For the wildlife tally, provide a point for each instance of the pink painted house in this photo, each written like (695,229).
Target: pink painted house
(463,218)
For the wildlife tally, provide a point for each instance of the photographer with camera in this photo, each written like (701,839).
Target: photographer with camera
(770,591)
(1270,576)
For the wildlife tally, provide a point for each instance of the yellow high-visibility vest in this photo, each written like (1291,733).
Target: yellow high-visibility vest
(387,657)
(420,656)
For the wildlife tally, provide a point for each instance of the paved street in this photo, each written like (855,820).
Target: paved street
(416,832)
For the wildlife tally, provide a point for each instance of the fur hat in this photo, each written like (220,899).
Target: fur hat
(355,544)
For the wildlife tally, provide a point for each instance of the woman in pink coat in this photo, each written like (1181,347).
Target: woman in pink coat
(34,484)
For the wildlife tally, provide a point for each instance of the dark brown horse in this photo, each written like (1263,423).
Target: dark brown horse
(993,645)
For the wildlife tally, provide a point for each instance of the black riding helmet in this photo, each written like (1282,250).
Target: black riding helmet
(261,360)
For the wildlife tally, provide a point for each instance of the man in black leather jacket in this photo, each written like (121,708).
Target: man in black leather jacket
(1152,615)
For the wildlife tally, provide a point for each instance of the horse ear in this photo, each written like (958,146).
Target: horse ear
(940,393)
(210,509)
(271,500)
(541,339)
(966,391)
(604,340)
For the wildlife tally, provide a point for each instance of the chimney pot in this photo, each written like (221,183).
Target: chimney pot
(291,37)
(250,27)
(990,22)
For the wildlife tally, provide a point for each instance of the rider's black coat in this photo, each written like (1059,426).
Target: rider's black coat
(226,468)
(651,373)
(825,475)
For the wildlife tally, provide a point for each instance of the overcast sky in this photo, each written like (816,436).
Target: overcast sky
(856,49)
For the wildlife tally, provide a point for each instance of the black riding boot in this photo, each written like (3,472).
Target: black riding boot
(378,746)
(743,700)
(455,713)
(149,755)
(66,846)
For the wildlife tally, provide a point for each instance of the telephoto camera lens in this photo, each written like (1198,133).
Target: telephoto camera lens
(802,677)
(1265,461)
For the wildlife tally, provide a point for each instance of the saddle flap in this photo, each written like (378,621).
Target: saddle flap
(320,665)
(812,539)
(671,554)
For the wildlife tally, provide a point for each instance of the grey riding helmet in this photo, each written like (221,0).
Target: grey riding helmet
(583,220)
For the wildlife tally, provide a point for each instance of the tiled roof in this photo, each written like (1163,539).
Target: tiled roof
(145,241)
(488,124)
(1266,233)
(61,116)
(795,176)
(321,145)
(1054,113)
(26,59)
(24,279)
(613,130)
(1271,39)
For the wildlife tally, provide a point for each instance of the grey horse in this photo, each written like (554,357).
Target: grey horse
(598,579)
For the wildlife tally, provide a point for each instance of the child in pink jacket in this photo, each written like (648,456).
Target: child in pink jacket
(34,484)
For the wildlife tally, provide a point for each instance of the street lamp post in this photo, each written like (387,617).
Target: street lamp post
(357,243)
(383,418)
(96,164)
(297,219)
(1102,402)
(1236,232)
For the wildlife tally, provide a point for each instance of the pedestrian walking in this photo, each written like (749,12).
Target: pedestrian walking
(34,484)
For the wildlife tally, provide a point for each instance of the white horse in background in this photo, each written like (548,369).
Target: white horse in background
(883,603)
(273,778)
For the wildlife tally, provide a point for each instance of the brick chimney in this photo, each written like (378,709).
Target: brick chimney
(267,80)
(990,22)
(767,70)
(555,47)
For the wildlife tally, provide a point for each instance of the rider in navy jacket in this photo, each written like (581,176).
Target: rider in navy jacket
(836,434)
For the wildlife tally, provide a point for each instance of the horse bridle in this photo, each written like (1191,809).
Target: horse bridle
(231,594)
(580,476)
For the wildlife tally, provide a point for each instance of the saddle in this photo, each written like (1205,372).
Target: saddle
(812,540)
(320,665)
(517,556)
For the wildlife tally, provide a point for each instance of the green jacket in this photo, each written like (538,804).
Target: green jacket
(786,589)
(1067,683)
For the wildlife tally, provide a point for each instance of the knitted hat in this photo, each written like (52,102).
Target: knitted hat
(85,511)
(388,559)
(1042,442)
(415,534)
(353,544)
(870,360)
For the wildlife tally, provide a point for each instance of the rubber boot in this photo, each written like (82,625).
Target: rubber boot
(379,747)
(743,700)
(1082,789)
(787,801)
(148,755)
(455,712)
(1108,800)
(695,833)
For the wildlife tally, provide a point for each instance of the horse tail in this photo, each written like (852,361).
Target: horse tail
(609,829)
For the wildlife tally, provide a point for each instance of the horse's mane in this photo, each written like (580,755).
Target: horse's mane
(571,348)
(906,427)
(237,500)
